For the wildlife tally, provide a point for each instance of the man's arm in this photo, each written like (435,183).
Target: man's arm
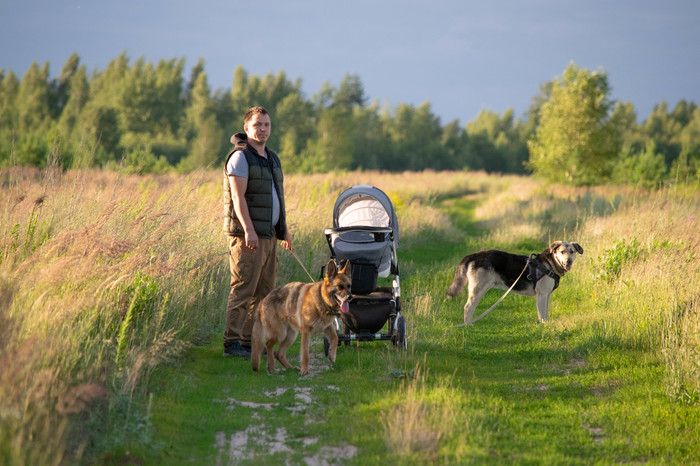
(239,185)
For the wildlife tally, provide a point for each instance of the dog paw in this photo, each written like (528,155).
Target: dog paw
(465,324)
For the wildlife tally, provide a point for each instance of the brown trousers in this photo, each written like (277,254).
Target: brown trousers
(253,276)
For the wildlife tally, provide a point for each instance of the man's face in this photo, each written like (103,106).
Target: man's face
(258,128)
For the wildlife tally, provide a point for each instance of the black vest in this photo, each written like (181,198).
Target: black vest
(262,172)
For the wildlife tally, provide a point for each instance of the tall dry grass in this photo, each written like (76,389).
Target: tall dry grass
(103,278)
(432,421)
(636,286)
(416,424)
(107,275)
(637,283)
(644,277)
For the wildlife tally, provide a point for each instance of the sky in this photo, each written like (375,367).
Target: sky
(460,56)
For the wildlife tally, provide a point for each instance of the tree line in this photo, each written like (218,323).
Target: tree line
(145,117)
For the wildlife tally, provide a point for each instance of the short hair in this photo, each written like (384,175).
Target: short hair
(254,111)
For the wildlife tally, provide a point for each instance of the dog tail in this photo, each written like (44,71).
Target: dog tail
(257,342)
(460,279)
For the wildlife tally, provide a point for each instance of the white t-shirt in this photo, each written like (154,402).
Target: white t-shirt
(238,166)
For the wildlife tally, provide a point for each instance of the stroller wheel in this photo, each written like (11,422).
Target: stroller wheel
(401,340)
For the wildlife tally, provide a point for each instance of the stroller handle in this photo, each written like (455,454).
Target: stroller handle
(330,231)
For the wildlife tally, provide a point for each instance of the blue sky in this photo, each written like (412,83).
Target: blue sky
(461,56)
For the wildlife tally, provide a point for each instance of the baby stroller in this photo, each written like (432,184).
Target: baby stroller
(366,232)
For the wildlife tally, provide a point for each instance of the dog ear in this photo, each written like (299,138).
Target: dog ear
(331,269)
(553,247)
(346,268)
(578,248)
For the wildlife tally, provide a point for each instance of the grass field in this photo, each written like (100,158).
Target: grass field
(112,291)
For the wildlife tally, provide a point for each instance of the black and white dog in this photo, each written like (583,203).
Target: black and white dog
(484,270)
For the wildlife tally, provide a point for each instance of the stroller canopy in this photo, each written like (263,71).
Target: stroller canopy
(365,205)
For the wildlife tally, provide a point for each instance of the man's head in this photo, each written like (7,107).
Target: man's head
(257,124)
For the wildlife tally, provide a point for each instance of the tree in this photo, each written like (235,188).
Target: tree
(9,89)
(571,128)
(137,105)
(98,126)
(275,88)
(690,135)
(533,112)
(169,102)
(350,93)
(194,75)
(686,167)
(293,127)
(33,98)
(646,168)
(200,106)
(496,142)
(151,98)
(415,134)
(664,130)
(574,141)
(251,90)
(323,98)
(623,120)
(59,87)
(240,93)
(371,147)
(201,128)
(683,112)
(205,149)
(77,96)
(332,149)
(106,86)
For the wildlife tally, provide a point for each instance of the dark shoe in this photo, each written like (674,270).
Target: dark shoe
(248,349)
(235,349)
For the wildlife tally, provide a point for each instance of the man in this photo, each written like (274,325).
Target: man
(254,218)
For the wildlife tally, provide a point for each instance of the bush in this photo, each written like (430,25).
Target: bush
(646,168)
(141,161)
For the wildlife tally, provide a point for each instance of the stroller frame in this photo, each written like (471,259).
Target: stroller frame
(372,307)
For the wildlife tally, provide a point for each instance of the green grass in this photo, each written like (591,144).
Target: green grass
(504,390)
(532,394)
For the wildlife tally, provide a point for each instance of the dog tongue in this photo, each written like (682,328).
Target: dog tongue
(344,306)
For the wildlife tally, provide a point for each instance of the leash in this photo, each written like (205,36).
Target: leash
(502,297)
(302,265)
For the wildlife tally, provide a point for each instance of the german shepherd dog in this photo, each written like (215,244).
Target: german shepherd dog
(498,269)
(309,308)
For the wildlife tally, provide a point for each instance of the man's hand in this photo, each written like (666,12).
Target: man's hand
(251,240)
(287,242)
